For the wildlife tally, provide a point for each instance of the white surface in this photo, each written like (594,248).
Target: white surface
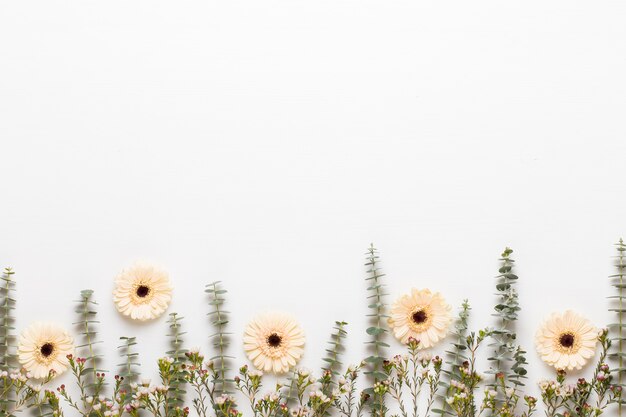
(266,144)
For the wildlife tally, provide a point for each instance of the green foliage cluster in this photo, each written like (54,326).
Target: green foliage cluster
(7,332)
(88,347)
(130,368)
(377,315)
(455,357)
(508,360)
(331,360)
(376,332)
(618,306)
(177,353)
(220,338)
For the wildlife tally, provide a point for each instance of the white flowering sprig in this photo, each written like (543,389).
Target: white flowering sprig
(205,379)
(322,393)
(411,372)
(461,393)
(154,398)
(271,405)
(301,381)
(348,403)
(121,401)
(18,384)
(320,403)
(502,400)
(584,398)
(94,402)
(555,394)
(249,383)
(226,405)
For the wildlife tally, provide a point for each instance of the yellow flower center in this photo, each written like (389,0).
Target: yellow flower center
(274,346)
(567,342)
(46,353)
(274,340)
(142,293)
(420,319)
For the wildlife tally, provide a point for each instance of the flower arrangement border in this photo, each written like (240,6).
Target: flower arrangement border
(411,384)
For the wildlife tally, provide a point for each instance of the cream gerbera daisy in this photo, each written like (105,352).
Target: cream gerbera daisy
(43,347)
(566,340)
(422,315)
(274,342)
(142,292)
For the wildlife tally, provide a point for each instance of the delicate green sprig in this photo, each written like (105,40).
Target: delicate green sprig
(7,305)
(175,399)
(332,360)
(87,315)
(220,338)
(508,360)
(455,357)
(7,335)
(129,370)
(376,331)
(617,330)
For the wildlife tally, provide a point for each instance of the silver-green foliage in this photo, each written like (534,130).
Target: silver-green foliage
(8,348)
(508,360)
(377,315)
(7,335)
(87,328)
(176,395)
(332,358)
(376,332)
(129,369)
(220,338)
(455,356)
(617,329)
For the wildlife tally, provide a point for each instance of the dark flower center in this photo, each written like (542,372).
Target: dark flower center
(566,340)
(419,317)
(46,349)
(143,291)
(274,340)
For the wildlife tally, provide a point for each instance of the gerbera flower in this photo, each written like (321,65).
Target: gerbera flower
(43,347)
(566,340)
(274,342)
(422,315)
(142,292)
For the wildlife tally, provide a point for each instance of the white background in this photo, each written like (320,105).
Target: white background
(266,144)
